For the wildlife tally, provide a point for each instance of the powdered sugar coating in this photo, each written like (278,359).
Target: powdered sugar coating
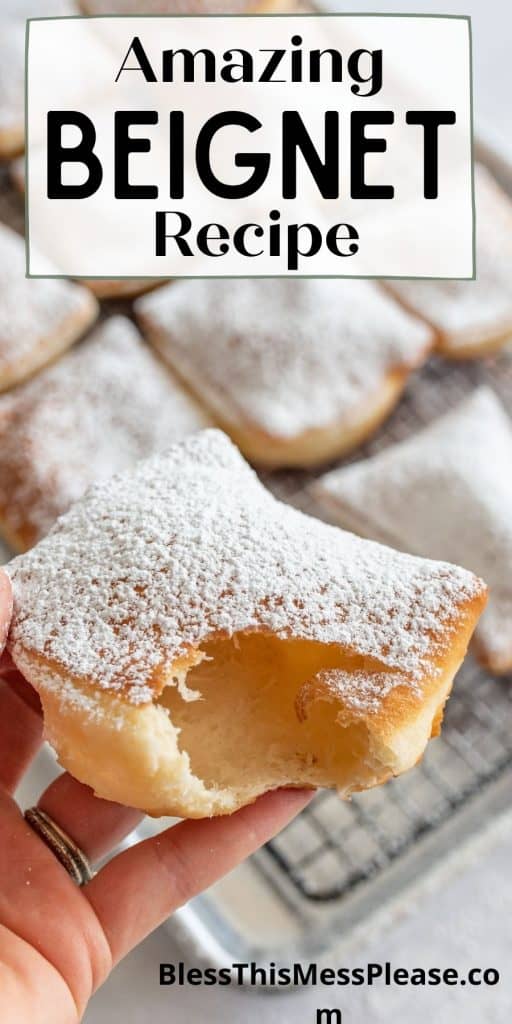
(468,310)
(31,310)
(444,493)
(104,405)
(151,563)
(360,693)
(282,355)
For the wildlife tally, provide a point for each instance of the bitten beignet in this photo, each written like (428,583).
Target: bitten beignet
(446,492)
(103,406)
(39,318)
(296,371)
(195,642)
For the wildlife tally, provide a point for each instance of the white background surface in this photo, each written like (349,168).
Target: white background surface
(465,922)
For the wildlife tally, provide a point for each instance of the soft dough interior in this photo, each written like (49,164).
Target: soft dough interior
(245,730)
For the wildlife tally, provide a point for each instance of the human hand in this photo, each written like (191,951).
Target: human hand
(58,942)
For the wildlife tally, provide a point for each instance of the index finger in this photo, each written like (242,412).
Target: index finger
(141,887)
(21,725)
(21,728)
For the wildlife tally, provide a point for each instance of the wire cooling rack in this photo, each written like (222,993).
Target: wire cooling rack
(334,848)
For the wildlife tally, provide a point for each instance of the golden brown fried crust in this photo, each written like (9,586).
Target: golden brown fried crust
(129,753)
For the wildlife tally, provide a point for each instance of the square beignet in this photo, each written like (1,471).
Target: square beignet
(102,287)
(446,493)
(39,318)
(195,642)
(295,371)
(472,318)
(75,81)
(98,410)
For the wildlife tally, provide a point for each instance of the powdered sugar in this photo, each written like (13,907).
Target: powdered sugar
(468,310)
(100,408)
(444,493)
(360,693)
(31,310)
(154,561)
(284,355)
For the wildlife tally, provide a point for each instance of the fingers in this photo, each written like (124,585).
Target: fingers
(21,726)
(19,685)
(41,905)
(6,662)
(21,729)
(137,890)
(95,825)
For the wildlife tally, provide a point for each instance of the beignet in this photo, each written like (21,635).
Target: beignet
(103,406)
(472,318)
(296,371)
(195,642)
(446,492)
(39,317)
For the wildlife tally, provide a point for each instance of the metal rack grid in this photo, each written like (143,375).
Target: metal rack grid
(333,848)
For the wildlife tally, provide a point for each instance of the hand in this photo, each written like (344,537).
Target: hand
(58,943)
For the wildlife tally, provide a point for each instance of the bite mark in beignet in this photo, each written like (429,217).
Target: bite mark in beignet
(195,642)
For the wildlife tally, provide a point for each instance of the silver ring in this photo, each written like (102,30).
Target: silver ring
(62,846)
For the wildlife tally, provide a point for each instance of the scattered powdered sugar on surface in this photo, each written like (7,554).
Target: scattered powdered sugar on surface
(362,693)
(153,561)
(285,355)
(12,74)
(463,309)
(31,310)
(445,493)
(104,405)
